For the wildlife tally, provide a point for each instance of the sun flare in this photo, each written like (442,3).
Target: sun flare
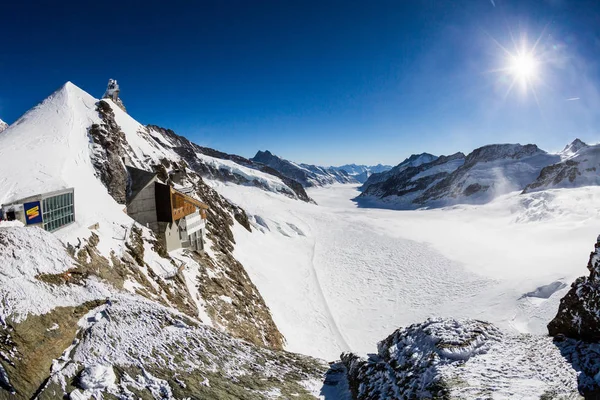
(523,66)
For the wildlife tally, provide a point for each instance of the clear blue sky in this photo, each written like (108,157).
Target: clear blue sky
(325,82)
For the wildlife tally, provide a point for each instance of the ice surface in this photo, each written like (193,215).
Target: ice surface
(358,274)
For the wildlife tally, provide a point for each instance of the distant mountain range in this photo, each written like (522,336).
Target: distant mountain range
(424,180)
(362,172)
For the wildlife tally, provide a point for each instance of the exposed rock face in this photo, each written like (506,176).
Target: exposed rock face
(460,359)
(108,150)
(580,166)
(3,125)
(490,171)
(578,315)
(218,278)
(414,160)
(484,174)
(71,331)
(305,174)
(112,92)
(409,180)
(187,150)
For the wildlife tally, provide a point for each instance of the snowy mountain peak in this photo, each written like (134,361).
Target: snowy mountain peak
(573,147)
(494,152)
(417,159)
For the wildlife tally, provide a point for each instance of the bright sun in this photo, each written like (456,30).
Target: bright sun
(523,66)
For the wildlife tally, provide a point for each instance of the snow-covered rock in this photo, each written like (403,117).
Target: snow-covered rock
(580,166)
(578,315)
(488,172)
(3,125)
(414,160)
(461,359)
(144,347)
(484,174)
(307,175)
(404,183)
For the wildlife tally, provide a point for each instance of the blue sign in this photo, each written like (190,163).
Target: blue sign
(33,213)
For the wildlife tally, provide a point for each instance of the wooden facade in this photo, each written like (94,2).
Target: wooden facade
(172,205)
(183,205)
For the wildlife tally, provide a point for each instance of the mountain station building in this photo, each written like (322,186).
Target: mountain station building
(51,211)
(177,219)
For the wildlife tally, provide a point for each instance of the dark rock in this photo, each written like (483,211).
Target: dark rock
(578,315)
(108,152)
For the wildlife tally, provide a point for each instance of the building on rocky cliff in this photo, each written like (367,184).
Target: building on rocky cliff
(177,219)
(112,92)
(50,211)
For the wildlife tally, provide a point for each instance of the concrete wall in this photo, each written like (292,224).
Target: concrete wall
(143,207)
(168,233)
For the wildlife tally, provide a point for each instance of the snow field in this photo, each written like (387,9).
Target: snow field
(358,274)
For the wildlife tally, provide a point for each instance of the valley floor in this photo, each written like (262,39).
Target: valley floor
(338,277)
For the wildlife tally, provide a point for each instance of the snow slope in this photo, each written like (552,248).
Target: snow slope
(340,278)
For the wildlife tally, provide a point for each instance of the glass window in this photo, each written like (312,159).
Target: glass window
(58,211)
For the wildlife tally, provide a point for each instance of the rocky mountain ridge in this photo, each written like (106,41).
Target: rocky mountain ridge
(482,175)
(579,166)
(307,175)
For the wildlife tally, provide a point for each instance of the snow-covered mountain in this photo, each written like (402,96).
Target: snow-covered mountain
(118,316)
(579,166)
(362,172)
(308,175)
(482,175)
(105,282)
(413,161)
(3,125)
(410,179)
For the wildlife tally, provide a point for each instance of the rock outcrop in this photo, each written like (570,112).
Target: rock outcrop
(578,315)
(108,151)
(3,125)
